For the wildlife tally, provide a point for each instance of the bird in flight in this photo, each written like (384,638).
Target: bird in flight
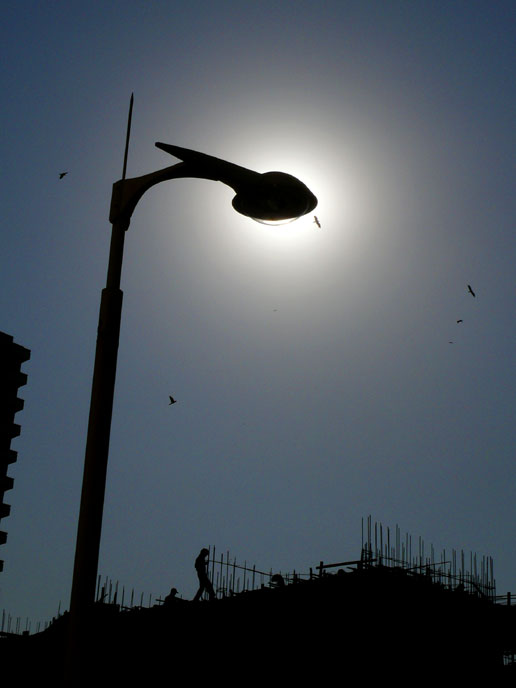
(459,321)
(471,290)
(172,400)
(62,174)
(316,221)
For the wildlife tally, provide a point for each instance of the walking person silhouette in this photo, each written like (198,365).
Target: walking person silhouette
(201,566)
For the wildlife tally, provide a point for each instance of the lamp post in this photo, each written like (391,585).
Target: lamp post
(273,196)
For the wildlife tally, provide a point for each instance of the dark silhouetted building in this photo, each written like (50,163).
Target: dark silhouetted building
(11,378)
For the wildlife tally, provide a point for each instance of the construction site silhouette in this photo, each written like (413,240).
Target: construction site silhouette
(388,613)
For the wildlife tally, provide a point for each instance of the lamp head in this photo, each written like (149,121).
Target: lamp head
(273,197)
(269,197)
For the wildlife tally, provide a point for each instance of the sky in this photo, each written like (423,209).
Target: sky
(314,375)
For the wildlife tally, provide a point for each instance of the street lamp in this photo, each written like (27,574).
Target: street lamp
(269,197)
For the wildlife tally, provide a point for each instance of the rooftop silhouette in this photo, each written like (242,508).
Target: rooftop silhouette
(374,616)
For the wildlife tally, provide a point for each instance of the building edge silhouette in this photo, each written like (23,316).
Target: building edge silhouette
(12,356)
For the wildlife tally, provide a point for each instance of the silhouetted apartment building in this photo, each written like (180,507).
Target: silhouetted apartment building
(11,378)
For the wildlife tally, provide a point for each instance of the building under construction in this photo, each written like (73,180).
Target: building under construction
(391,614)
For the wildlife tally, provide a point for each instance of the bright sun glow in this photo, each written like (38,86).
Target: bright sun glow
(339,198)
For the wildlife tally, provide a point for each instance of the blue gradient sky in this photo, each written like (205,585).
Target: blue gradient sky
(312,368)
